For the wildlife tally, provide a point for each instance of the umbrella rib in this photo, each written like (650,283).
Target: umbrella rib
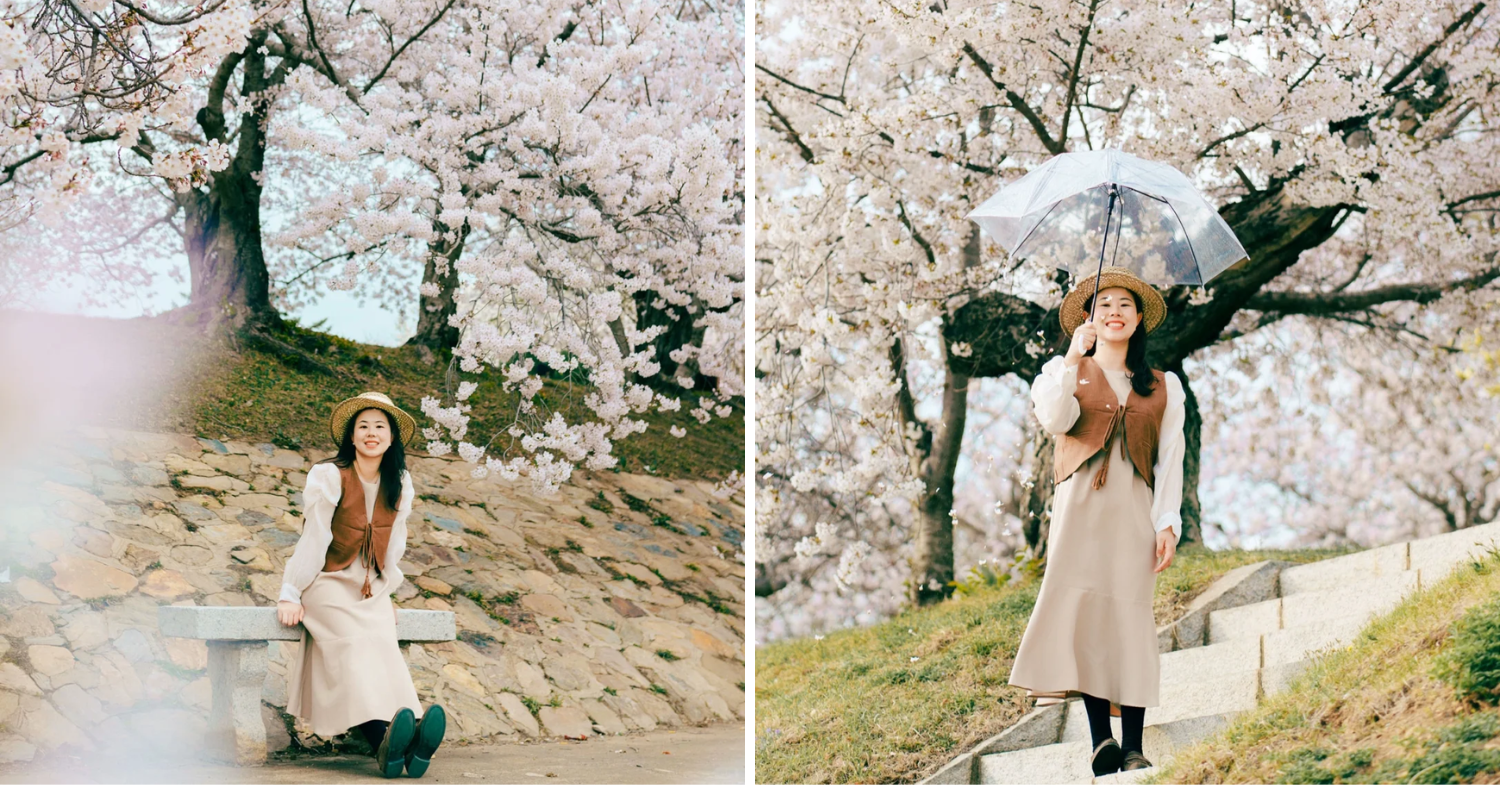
(1187,238)
(1038,224)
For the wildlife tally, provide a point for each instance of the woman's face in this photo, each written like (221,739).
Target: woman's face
(372,433)
(1115,314)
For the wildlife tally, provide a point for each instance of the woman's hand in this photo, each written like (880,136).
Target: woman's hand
(1083,340)
(289,613)
(1166,548)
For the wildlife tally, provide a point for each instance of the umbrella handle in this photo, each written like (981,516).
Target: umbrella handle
(1109,211)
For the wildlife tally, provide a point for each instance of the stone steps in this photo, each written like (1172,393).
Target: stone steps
(1253,650)
(1366,599)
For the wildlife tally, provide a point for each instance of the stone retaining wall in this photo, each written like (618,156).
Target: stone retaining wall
(616,605)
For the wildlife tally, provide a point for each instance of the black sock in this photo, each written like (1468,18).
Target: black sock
(374,733)
(1132,719)
(1098,709)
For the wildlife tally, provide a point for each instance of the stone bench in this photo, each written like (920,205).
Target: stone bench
(238,657)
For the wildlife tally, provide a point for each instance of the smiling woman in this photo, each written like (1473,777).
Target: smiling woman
(1092,632)
(338,585)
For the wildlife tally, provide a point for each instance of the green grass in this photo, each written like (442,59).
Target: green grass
(237,390)
(1410,700)
(895,701)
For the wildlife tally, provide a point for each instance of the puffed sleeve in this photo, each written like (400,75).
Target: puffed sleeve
(1052,396)
(397,546)
(1171,447)
(320,496)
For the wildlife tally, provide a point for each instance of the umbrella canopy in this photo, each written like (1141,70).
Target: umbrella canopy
(1144,216)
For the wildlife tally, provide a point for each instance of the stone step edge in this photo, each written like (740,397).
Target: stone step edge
(1242,585)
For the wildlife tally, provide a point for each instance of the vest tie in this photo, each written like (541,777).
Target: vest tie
(1117,421)
(367,554)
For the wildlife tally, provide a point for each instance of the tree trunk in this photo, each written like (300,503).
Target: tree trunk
(681,331)
(1036,497)
(230,285)
(932,563)
(1192,431)
(434,314)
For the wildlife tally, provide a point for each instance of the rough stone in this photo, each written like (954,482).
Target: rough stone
(31,621)
(14,679)
(48,729)
(189,654)
(88,579)
(567,721)
(519,715)
(166,584)
(434,585)
(50,660)
(81,708)
(14,749)
(138,559)
(626,608)
(548,606)
(94,541)
(33,590)
(85,630)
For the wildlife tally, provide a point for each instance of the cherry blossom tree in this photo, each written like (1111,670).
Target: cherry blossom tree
(1351,148)
(568,173)
(573,181)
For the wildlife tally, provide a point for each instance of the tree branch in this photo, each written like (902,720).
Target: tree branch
(1422,56)
(790,132)
(790,83)
(1327,303)
(1019,104)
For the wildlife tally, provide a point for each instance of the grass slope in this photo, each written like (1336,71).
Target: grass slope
(245,390)
(1384,709)
(895,701)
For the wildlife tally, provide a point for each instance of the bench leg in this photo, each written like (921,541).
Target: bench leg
(236,727)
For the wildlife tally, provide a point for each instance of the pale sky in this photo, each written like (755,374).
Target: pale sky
(347,318)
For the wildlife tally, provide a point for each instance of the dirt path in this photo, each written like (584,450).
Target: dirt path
(714,754)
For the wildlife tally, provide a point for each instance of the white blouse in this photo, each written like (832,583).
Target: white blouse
(321,497)
(1057,410)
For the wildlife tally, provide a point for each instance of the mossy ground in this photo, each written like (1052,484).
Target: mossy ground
(1387,708)
(240,389)
(895,701)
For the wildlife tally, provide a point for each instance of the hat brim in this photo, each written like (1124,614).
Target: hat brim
(347,409)
(1074,311)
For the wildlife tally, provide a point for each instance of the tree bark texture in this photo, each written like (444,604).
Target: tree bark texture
(681,331)
(434,313)
(932,568)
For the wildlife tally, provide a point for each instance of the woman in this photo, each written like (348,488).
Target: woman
(338,585)
(1115,519)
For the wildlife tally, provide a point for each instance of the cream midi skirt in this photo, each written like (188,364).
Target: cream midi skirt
(1092,630)
(350,669)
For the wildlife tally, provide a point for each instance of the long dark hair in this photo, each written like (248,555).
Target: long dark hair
(392,463)
(1142,380)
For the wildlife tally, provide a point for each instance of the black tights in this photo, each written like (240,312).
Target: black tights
(374,732)
(1132,719)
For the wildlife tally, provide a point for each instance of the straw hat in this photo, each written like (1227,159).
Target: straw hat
(1074,310)
(346,410)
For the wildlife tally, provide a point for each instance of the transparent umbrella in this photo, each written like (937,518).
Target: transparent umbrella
(1078,209)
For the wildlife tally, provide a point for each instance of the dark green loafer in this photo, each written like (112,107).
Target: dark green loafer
(390,759)
(1134,760)
(429,735)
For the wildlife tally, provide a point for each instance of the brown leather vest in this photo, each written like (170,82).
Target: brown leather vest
(354,535)
(1100,415)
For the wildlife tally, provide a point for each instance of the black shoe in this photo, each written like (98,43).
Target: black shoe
(429,735)
(390,759)
(1135,760)
(1106,758)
